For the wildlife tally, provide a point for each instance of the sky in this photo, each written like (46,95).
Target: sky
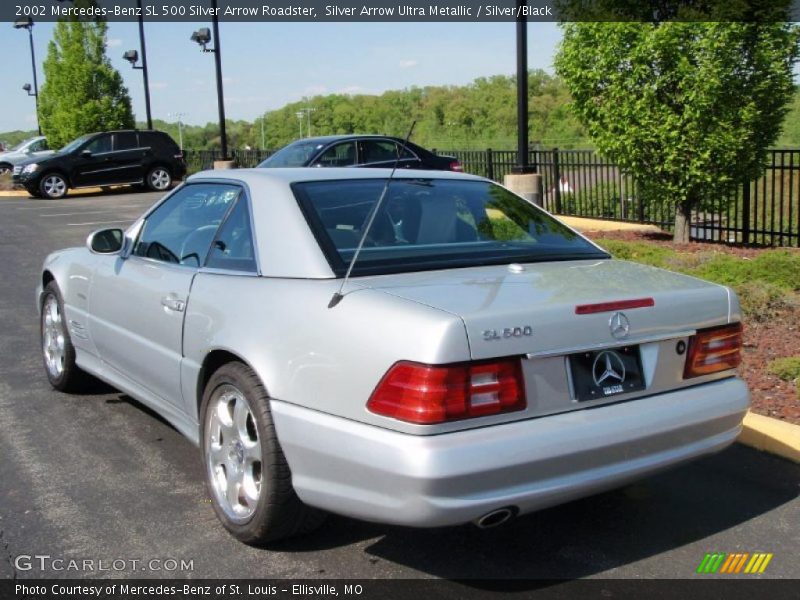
(266,65)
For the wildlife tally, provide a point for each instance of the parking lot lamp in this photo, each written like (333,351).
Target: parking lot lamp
(203,37)
(132,56)
(523,165)
(27,23)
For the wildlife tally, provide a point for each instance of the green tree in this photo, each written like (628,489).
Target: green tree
(82,92)
(688,108)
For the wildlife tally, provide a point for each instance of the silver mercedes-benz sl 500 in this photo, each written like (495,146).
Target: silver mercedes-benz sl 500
(484,360)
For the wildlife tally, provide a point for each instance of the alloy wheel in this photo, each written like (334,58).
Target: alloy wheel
(54,186)
(159,179)
(53,338)
(233,451)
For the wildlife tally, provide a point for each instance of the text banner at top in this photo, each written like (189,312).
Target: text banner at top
(401,10)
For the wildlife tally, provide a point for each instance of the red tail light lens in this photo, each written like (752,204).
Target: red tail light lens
(713,350)
(427,394)
(456,166)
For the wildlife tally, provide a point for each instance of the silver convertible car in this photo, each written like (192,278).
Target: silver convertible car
(483,361)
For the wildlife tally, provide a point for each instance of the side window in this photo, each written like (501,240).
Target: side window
(180,231)
(233,247)
(38,146)
(373,151)
(125,141)
(340,155)
(100,144)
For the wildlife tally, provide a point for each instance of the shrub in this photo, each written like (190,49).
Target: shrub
(787,368)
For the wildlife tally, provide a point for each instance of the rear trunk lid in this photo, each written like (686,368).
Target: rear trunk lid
(530,311)
(533,311)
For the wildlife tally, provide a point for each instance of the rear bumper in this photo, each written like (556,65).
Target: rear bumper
(375,474)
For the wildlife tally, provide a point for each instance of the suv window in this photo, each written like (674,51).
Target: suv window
(125,141)
(160,142)
(233,246)
(340,155)
(100,144)
(180,231)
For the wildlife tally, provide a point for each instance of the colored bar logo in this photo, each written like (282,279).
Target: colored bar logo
(732,564)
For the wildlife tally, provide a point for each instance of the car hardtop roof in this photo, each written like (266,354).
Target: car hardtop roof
(346,136)
(299,174)
(126,131)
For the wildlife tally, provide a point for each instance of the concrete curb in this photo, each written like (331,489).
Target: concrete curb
(77,192)
(771,435)
(583,224)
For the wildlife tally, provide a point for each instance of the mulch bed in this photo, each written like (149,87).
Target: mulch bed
(763,341)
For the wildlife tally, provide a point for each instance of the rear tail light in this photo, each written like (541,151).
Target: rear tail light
(456,166)
(713,350)
(428,394)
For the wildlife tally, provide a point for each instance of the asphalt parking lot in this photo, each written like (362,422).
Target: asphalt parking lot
(99,476)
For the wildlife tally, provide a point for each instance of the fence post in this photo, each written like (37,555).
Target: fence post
(639,201)
(489,165)
(557,181)
(746,213)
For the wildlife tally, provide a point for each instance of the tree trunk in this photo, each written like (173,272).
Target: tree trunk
(683,221)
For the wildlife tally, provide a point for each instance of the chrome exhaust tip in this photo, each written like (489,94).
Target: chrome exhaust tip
(496,518)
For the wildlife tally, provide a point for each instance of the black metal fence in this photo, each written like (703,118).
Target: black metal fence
(584,184)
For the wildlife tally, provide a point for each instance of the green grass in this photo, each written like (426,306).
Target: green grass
(763,283)
(787,369)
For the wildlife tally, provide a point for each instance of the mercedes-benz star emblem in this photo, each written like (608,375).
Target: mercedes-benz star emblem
(608,369)
(619,325)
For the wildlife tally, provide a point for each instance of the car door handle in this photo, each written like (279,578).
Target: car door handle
(172,303)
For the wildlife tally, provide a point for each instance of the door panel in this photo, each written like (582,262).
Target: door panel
(137,307)
(98,168)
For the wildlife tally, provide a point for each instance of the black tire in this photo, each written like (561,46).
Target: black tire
(34,193)
(159,179)
(68,377)
(278,512)
(53,186)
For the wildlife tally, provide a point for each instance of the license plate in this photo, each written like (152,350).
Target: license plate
(604,373)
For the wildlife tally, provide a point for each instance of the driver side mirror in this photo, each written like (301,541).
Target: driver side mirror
(106,241)
(86,154)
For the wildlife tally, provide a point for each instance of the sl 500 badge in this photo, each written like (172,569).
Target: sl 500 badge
(491,335)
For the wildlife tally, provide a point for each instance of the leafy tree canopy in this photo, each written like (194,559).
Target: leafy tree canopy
(689,108)
(82,92)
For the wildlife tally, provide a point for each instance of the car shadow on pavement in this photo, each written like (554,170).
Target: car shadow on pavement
(591,535)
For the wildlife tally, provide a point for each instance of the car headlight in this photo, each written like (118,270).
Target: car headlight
(30,168)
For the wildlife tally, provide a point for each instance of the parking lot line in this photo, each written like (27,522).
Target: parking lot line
(101,222)
(80,212)
(110,208)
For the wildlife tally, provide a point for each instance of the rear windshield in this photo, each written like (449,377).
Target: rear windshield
(432,224)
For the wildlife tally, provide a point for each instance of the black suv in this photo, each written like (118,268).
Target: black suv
(151,158)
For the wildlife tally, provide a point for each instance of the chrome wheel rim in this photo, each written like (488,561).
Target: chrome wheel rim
(159,179)
(53,337)
(233,454)
(54,186)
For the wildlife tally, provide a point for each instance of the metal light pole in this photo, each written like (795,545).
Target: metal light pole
(28,24)
(523,165)
(203,37)
(179,116)
(263,139)
(144,65)
(307,111)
